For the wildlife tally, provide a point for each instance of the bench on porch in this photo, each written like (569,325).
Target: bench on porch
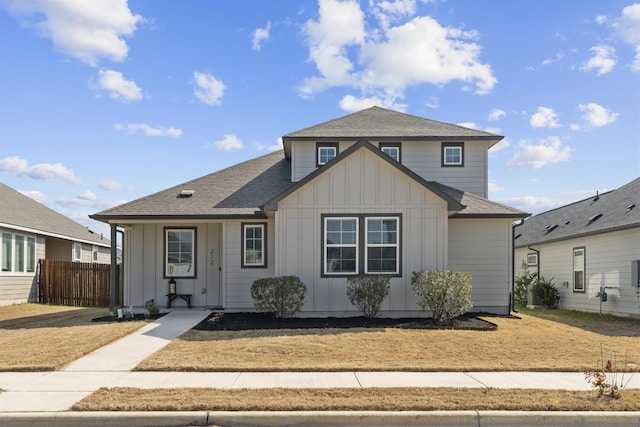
(185,297)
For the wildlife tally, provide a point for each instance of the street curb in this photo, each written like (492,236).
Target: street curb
(323,418)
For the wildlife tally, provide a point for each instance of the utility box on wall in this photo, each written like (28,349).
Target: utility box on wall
(635,273)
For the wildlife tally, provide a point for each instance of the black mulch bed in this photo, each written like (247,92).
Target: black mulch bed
(252,321)
(140,316)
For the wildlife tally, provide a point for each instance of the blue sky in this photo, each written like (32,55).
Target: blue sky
(102,102)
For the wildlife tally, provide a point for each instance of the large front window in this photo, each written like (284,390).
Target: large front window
(180,252)
(18,253)
(347,251)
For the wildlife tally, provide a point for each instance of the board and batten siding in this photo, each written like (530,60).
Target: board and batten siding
(360,184)
(18,288)
(422,157)
(482,247)
(608,259)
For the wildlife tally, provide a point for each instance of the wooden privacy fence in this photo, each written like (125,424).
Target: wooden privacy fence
(84,284)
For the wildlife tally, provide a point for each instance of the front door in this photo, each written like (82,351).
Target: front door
(214,266)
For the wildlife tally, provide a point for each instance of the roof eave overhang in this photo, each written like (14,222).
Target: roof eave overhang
(115,219)
(490,215)
(577,235)
(105,244)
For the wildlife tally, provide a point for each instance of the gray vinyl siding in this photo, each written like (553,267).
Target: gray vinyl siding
(482,248)
(608,259)
(361,184)
(422,157)
(18,288)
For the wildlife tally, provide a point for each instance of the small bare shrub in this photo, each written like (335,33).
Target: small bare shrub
(367,292)
(283,296)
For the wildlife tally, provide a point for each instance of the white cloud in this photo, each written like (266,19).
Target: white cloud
(575,126)
(533,204)
(87,199)
(389,58)
(133,128)
(86,30)
(470,125)
(494,187)
(110,185)
(209,89)
(260,35)
(544,118)
(47,171)
(504,143)
(38,196)
(118,88)
(548,151)
(496,114)
(601,19)
(432,102)
(603,60)
(596,115)
(627,27)
(229,142)
(258,146)
(351,103)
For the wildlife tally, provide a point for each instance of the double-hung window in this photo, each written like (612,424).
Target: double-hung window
(452,154)
(180,252)
(94,254)
(18,253)
(361,244)
(578,269)
(77,252)
(254,238)
(326,152)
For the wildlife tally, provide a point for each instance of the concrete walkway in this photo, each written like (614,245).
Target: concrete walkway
(111,366)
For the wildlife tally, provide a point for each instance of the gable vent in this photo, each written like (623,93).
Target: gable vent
(186,193)
(630,207)
(594,218)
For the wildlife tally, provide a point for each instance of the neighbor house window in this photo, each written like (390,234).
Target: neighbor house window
(453,154)
(77,252)
(391,149)
(578,269)
(348,251)
(254,238)
(180,252)
(326,152)
(94,253)
(18,253)
(532,260)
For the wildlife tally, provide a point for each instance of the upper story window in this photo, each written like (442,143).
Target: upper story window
(18,253)
(180,252)
(391,149)
(452,154)
(254,238)
(77,252)
(326,152)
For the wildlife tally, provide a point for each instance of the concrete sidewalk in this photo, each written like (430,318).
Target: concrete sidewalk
(31,395)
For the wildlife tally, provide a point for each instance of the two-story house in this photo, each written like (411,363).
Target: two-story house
(373,192)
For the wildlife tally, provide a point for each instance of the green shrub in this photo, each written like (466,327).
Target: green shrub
(367,292)
(446,293)
(283,296)
(522,283)
(545,293)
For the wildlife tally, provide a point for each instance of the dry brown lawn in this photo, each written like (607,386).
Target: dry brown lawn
(35,337)
(529,344)
(381,399)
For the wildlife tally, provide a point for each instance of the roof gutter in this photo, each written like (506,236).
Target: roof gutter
(513,265)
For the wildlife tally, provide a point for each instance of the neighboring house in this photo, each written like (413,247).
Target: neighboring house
(30,231)
(586,246)
(376,191)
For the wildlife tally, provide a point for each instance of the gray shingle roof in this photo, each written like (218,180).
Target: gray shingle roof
(380,122)
(237,191)
(22,212)
(598,214)
(479,207)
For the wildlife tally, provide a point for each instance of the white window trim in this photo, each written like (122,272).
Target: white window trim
(324,147)
(382,245)
(263,263)
(582,250)
(455,148)
(73,255)
(27,239)
(355,245)
(94,253)
(533,263)
(395,156)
